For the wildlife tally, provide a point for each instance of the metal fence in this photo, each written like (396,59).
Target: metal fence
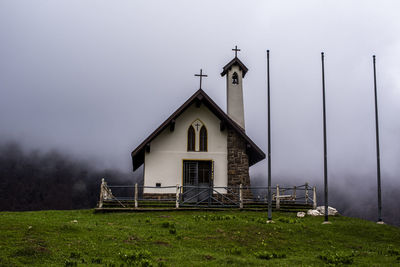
(137,196)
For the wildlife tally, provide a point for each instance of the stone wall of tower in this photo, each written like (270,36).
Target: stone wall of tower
(238,161)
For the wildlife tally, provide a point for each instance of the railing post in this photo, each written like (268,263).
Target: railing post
(241,196)
(294,193)
(101,193)
(136,195)
(209,195)
(277,201)
(314,197)
(177,196)
(306,195)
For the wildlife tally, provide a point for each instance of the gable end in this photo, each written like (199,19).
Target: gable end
(255,154)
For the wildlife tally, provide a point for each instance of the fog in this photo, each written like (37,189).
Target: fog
(92,79)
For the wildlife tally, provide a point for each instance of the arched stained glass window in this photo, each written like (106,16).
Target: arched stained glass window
(203,139)
(191,139)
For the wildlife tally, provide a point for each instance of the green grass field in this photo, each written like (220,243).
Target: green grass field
(192,238)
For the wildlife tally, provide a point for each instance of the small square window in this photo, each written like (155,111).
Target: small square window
(158,184)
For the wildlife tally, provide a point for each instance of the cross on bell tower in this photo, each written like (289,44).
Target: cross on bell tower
(201,75)
(236,50)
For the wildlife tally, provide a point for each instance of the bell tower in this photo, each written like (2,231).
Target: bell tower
(235,71)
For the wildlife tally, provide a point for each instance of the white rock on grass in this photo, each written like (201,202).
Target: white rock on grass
(314,213)
(301,214)
(320,211)
(331,211)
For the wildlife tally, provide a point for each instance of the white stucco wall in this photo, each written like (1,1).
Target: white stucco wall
(234,92)
(164,163)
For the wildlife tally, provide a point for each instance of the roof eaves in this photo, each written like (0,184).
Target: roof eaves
(235,61)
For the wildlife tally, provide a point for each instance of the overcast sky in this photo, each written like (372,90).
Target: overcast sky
(94,78)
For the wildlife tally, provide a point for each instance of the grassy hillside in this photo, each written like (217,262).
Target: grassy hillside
(81,238)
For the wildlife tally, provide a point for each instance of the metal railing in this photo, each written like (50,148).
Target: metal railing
(135,196)
(193,196)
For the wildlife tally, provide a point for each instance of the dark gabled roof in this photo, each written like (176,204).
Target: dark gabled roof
(235,61)
(254,152)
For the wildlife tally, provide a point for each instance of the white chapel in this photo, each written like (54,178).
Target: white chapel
(200,144)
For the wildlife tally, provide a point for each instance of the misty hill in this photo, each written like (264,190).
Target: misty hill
(182,238)
(35,180)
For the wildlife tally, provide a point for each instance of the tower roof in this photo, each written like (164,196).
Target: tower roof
(235,61)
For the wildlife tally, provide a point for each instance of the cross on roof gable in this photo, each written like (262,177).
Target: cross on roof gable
(201,75)
(254,152)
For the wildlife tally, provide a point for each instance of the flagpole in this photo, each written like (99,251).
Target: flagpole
(269,144)
(378,161)
(325,146)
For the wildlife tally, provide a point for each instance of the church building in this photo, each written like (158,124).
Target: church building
(200,144)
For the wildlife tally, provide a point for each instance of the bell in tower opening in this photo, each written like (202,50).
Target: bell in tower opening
(235,79)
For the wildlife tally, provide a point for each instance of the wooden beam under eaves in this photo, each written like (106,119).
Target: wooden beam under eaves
(172,126)
(222,126)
